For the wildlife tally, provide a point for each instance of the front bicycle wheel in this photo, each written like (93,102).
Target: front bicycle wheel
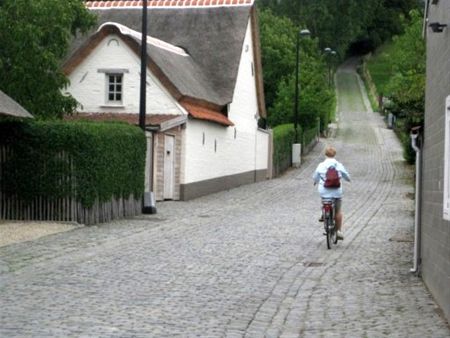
(329,231)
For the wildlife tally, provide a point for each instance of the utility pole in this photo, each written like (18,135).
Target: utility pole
(143,93)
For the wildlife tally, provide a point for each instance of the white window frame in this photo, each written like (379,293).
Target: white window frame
(446,201)
(113,72)
(115,91)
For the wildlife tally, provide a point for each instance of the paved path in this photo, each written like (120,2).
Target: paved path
(250,262)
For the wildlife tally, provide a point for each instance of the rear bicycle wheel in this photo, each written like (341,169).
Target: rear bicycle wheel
(334,234)
(328,230)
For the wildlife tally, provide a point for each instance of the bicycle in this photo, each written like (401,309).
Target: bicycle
(328,212)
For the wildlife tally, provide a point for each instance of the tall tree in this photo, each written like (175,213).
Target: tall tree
(316,99)
(278,51)
(339,23)
(34,38)
(407,86)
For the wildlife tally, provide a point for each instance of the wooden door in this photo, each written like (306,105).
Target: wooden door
(169,166)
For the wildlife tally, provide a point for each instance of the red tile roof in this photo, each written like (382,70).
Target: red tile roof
(167,3)
(206,114)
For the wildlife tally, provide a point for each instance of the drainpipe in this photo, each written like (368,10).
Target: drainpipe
(415,134)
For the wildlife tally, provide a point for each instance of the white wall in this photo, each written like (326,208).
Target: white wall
(88,86)
(262,154)
(240,148)
(244,108)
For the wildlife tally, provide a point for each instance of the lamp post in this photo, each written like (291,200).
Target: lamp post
(148,201)
(142,101)
(302,33)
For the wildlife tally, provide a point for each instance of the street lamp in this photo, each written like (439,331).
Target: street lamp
(142,102)
(148,201)
(302,33)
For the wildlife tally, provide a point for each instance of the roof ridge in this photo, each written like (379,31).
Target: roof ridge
(99,4)
(150,40)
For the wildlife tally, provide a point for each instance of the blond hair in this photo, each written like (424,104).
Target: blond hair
(330,151)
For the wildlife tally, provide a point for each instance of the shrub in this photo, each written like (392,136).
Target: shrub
(83,160)
(283,138)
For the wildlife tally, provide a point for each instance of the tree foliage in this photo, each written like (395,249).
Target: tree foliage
(34,38)
(316,99)
(340,23)
(278,51)
(407,86)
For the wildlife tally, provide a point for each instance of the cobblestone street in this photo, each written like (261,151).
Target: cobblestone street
(250,262)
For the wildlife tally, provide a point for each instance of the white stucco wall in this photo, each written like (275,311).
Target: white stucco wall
(262,148)
(88,85)
(239,149)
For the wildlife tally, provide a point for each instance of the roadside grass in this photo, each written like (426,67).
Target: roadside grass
(348,86)
(380,71)
(380,68)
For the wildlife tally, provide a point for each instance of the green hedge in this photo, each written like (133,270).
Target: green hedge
(308,136)
(283,138)
(108,160)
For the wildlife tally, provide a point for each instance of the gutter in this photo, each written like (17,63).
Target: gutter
(415,144)
(425,19)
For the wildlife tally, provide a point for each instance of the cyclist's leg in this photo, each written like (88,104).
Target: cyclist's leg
(338,216)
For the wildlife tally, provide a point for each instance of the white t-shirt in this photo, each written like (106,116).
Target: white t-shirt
(319,177)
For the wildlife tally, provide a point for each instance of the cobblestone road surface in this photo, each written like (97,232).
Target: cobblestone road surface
(250,262)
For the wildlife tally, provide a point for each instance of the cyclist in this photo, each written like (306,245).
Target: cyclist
(335,193)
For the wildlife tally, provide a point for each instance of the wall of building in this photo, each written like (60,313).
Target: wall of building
(88,85)
(435,233)
(218,157)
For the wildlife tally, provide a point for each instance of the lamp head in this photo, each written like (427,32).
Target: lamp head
(305,32)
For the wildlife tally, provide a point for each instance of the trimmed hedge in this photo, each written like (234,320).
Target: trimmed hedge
(283,138)
(308,136)
(84,160)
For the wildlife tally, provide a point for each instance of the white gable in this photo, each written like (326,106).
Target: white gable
(88,83)
(244,108)
(216,151)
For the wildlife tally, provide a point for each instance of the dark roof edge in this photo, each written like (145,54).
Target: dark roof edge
(258,63)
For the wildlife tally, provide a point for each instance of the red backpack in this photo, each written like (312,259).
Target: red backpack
(332,179)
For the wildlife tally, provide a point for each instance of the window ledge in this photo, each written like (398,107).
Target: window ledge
(112,106)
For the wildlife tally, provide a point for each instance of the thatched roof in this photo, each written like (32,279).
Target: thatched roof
(211,36)
(11,108)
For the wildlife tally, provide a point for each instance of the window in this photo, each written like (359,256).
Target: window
(114,94)
(447,161)
(113,85)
